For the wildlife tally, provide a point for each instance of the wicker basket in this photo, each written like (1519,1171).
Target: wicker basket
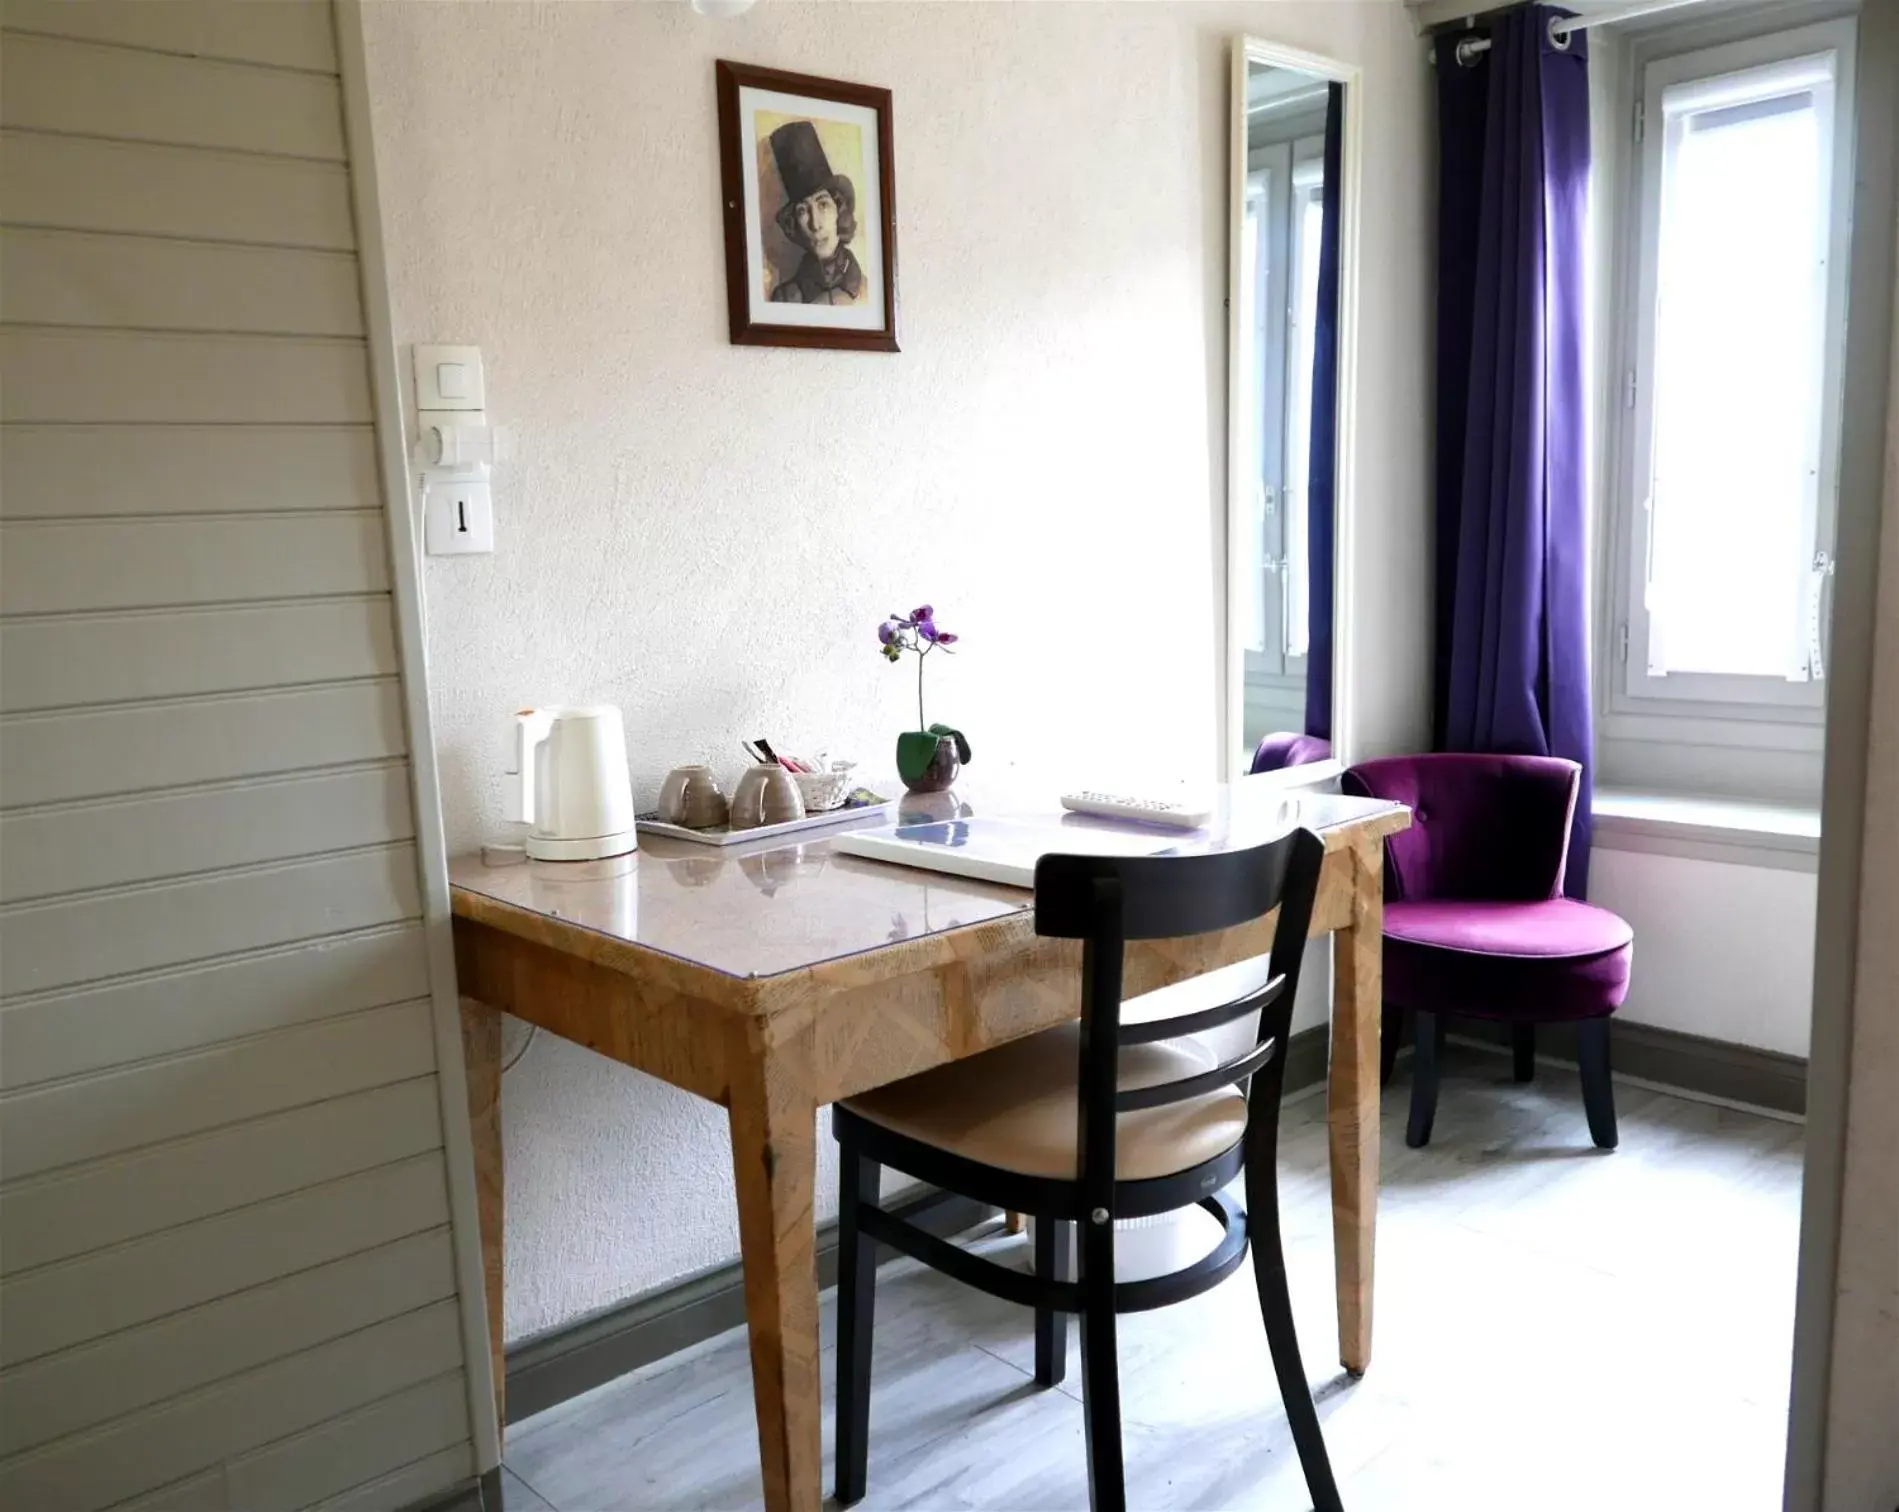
(824,791)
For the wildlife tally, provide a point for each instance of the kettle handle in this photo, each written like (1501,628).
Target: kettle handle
(531,729)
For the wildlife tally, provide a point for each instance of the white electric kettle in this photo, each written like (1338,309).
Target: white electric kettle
(575,792)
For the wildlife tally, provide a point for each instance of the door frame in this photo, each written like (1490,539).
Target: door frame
(405,578)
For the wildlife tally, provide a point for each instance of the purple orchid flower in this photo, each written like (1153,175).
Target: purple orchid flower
(915,631)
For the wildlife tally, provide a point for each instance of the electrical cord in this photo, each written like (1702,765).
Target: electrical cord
(526,1045)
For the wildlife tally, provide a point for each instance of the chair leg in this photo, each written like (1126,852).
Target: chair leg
(1427,1045)
(1051,1323)
(1390,1039)
(1275,1305)
(1100,1370)
(1598,1092)
(1523,1051)
(856,1296)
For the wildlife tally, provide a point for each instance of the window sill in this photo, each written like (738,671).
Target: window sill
(1781,836)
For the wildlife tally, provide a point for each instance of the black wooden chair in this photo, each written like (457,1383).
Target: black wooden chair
(1092,1122)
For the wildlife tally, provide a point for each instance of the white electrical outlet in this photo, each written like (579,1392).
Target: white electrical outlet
(458,514)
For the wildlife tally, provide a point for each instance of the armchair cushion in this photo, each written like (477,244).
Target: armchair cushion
(1541,961)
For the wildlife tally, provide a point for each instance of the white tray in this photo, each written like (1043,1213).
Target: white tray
(652,824)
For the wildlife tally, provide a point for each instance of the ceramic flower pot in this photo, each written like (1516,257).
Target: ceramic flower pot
(929,761)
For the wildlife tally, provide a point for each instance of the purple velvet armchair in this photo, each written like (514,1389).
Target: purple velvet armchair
(1476,924)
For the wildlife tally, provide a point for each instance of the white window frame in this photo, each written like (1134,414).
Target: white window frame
(1308,184)
(1773,726)
(1270,169)
(1702,732)
(1273,677)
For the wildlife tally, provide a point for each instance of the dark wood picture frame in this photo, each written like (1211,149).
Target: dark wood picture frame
(747,331)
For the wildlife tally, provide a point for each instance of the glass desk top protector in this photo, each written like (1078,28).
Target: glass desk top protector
(758,910)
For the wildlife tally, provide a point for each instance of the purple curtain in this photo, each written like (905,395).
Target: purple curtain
(1512,615)
(1322,458)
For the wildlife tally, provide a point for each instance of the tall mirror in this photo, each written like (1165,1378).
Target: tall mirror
(1284,307)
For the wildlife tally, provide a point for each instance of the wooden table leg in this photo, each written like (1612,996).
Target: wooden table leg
(481,1049)
(774,1120)
(1352,1096)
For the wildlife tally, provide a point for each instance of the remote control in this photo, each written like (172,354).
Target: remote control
(1164,811)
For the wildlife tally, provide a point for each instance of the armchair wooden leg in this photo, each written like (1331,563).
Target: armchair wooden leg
(1051,1323)
(1598,1093)
(856,1302)
(1523,1051)
(1390,1041)
(1427,1047)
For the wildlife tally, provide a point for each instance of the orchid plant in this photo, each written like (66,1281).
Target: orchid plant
(917,632)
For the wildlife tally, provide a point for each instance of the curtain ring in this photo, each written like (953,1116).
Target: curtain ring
(1469,50)
(1558,39)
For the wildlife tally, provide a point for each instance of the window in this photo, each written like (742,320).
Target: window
(1734,333)
(1279,248)
(1308,210)
(1254,295)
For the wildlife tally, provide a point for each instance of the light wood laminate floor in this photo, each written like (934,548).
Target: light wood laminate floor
(1557,1328)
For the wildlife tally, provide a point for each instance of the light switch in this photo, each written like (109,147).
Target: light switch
(448,378)
(458,515)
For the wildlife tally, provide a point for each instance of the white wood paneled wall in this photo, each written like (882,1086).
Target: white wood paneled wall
(227,1276)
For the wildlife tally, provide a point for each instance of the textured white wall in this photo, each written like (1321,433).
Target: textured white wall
(706,534)
(1700,963)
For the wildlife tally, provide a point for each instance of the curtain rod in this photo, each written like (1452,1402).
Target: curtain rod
(1469,49)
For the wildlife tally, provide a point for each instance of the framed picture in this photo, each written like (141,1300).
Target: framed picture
(809,185)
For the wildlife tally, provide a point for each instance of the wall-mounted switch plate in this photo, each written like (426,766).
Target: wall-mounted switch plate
(458,514)
(449,378)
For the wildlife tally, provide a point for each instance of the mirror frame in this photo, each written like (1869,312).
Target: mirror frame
(1231,723)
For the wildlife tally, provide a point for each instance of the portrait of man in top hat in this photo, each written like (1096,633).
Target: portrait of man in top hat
(808,181)
(818,218)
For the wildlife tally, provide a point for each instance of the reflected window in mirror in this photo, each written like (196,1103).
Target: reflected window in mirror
(1285,332)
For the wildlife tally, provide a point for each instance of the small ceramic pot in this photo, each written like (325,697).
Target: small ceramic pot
(765,795)
(942,771)
(691,796)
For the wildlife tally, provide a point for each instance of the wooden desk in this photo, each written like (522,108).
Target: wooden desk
(780,978)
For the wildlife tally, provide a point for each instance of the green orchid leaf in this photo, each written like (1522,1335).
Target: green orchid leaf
(962,740)
(916,749)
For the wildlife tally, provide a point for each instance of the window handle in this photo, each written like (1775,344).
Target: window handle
(1822,570)
(1648,549)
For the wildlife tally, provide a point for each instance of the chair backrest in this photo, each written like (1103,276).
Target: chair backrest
(1105,901)
(1288,748)
(1488,828)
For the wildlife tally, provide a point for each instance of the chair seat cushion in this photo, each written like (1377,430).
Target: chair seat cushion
(1015,1108)
(1554,959)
